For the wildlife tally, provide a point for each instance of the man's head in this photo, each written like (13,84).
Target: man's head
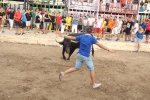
(120,18)
(89,30)
(18,9)
(99,16)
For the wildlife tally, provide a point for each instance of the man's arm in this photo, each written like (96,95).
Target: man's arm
(67,37)
(104,47)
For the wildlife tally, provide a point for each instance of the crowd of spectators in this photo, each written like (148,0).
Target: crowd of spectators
(144,6)
(104,27)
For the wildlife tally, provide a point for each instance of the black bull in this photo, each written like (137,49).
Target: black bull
(70,46)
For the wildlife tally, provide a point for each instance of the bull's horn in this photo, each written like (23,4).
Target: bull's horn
(74,41)
(59,41)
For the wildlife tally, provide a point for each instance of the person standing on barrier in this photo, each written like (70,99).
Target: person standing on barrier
(11,18)
(17,18)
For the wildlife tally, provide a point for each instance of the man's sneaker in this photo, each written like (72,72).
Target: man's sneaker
(16,33)
(61,75)
(137,51)
(117,39)
(96,85)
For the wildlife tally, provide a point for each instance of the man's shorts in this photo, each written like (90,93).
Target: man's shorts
(128,32)
(123,5)
(101,30)
(139,41)
(46,24)
(96,30)
(18,24)
(114,30)
(147,32)
(28,23)
(82,59)
(58,26)
(109,30)
(23,25)
(37,25)
(119,31)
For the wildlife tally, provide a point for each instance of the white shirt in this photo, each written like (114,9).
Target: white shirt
(85,22)
(120,24)
(136,27)
(90,21)
(100,21)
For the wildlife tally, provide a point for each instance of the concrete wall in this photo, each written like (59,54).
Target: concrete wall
(123,46)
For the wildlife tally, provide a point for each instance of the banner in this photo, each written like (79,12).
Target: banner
(88,5)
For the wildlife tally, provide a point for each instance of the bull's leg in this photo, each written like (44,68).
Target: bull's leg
(71,51)
(63,53)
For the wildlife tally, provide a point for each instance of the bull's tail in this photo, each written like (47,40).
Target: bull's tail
(92,51)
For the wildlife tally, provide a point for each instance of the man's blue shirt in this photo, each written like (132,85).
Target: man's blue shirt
(23,17)
(86,42)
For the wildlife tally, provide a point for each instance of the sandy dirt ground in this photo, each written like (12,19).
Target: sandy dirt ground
(30,72)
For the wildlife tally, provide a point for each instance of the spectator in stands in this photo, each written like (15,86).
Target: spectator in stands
(123,4)
(47,20)
(37,23)
(75,23)
(11,18)
(139,35)
(107,5)
(29,19)
(68,23)
(128,6)
(84,24)
(23,22)
(58,22)
(17,19)
(147,32)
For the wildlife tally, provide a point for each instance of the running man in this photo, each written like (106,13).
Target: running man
(83,55)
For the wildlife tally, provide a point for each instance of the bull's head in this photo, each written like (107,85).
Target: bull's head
(67,45)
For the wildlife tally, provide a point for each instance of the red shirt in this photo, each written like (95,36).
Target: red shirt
(148,26)
(123,1)
(7,10)
(18,16)
(58,19)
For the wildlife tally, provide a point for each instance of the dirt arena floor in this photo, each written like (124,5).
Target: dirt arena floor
(30,72)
